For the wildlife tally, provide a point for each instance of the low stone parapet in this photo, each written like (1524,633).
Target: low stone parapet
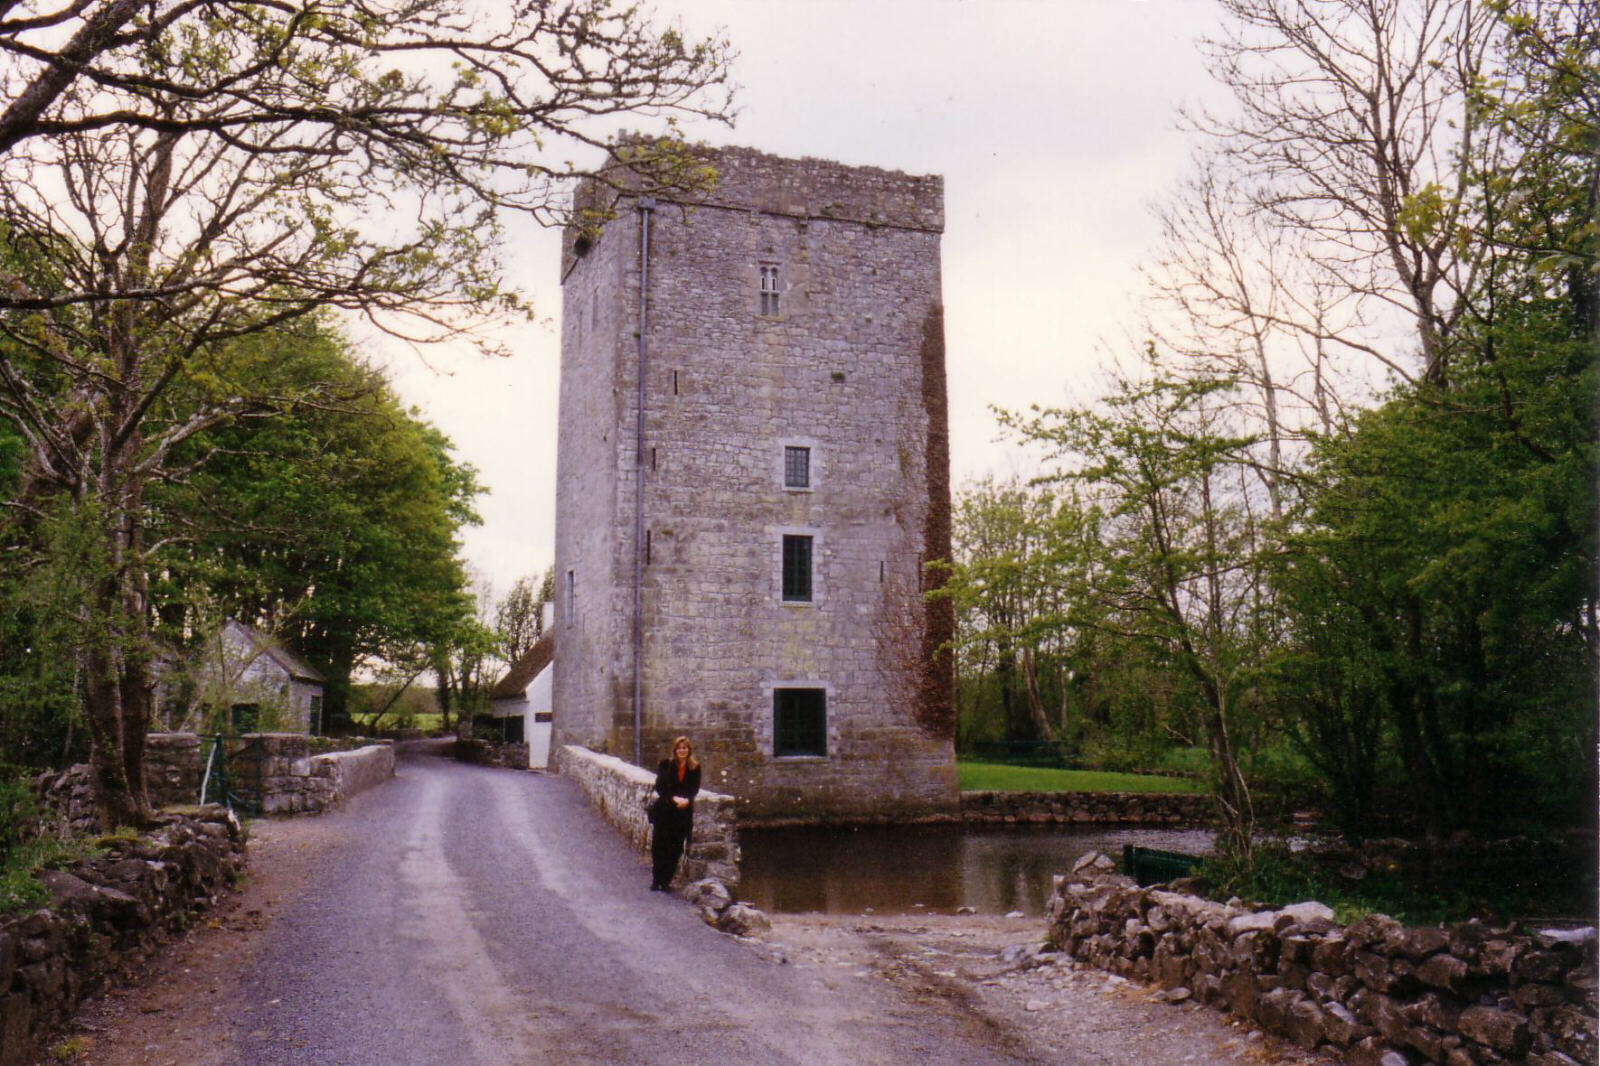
(107,913)
(355,771)
(621,792)
(277,773)
(1378,993)
(511,755)
(1087,808)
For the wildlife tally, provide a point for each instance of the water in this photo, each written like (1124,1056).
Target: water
(894,869)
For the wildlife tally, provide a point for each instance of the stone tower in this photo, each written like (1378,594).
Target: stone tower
(763,497)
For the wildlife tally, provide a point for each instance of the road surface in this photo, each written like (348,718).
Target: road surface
(461,915)
(470,916)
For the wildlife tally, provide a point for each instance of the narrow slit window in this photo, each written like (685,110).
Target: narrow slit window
(647,547)
(769,290)
(674,383)
(796,467)
(796,569)
(569,596)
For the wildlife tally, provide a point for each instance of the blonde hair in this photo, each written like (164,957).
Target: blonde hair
(672,753)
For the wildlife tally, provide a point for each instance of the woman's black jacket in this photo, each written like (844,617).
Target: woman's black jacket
(665,813)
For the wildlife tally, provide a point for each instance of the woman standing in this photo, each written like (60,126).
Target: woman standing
(671,815)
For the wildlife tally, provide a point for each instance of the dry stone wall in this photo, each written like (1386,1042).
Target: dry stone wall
(172,768)
(511,755)
(1087,808)
(621,791)
(278,773)
(107,913)
(1378,993)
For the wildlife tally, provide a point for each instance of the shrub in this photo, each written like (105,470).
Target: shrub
(19,811)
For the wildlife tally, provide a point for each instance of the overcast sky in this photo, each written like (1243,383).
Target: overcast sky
(1053,123)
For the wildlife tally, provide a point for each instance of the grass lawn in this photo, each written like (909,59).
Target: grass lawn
(995,777)
(425,722)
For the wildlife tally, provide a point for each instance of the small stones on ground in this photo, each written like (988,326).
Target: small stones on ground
(742,919)
(1036,1005)
(1015,914)
(710,894)
(966,910)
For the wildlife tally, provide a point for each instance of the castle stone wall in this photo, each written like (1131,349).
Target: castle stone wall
(840,369)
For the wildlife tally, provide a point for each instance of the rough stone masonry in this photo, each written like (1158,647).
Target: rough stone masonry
(1377,993)
(795,482)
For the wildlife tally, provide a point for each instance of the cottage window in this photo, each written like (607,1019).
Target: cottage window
(314,712)
(796,467)
(796,569)
(769,290)
(799,722)
(245,717)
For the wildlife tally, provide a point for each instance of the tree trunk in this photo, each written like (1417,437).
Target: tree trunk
(113,798)
(1232,791)
(1036,711)
(135,683)
(1412,706)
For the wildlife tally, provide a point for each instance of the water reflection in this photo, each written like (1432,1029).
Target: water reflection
(892,868)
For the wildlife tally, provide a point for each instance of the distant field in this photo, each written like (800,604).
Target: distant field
(994,777)
(425,722)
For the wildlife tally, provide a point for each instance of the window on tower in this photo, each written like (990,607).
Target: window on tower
(796,569)
(799,722)
(796,467)
(769,290)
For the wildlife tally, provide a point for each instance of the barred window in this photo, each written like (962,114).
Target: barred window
(796,569)
(799,721)
(796,467)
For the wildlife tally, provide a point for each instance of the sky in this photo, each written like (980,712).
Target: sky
(1055,126)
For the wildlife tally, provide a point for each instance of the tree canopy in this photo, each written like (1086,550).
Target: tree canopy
(1361,545)
(183,183)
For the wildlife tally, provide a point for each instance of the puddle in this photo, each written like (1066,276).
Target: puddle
(891,869)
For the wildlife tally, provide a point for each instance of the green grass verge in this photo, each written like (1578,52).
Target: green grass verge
(20,889)
(428,723)
(1280,877)
(996,777)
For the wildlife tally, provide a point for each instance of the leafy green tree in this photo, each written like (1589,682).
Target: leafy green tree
(224,171)
(42,633)
(519,617)
(1176,551)
(332,522)
(1441,578)
(464,662)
